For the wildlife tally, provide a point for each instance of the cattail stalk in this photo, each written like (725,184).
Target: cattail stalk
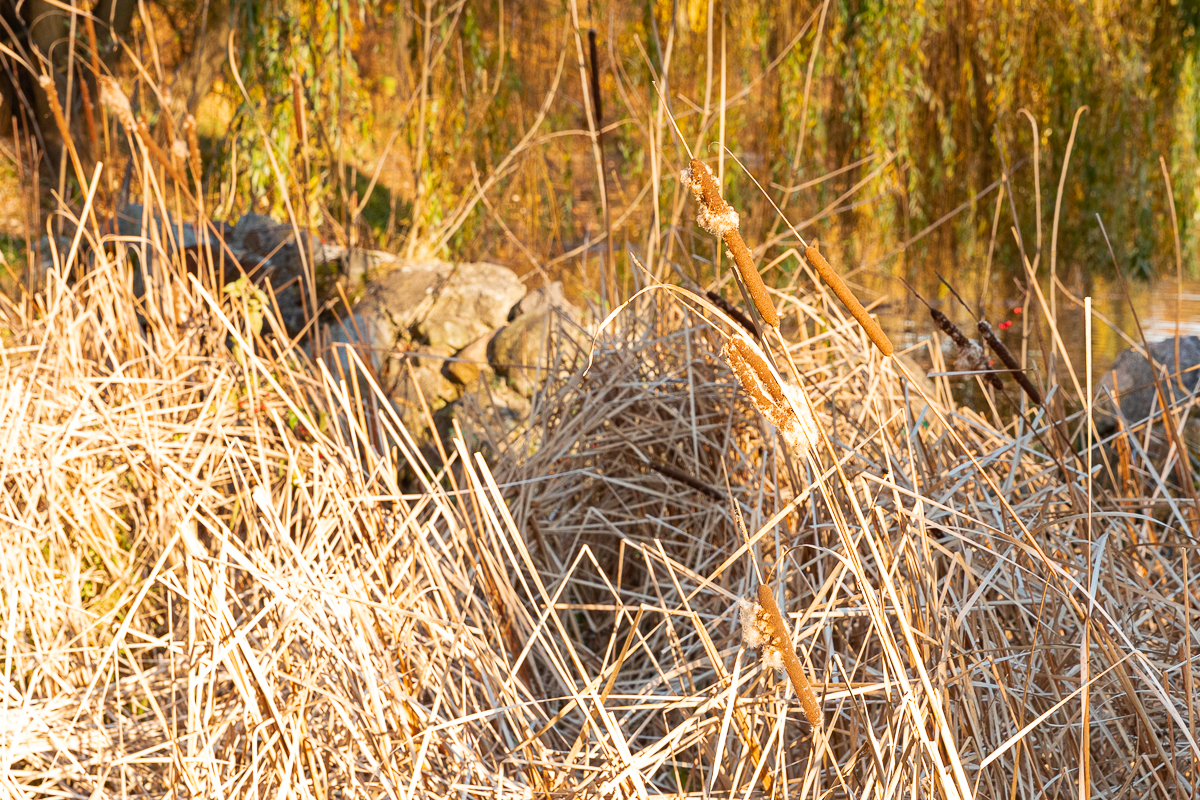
(782,643)
(1010,361)
(839,287)
(718,218)
(89,115)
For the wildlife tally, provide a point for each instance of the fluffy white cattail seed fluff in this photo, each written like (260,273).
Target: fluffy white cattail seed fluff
(112,98)
(757,633)
(803,432)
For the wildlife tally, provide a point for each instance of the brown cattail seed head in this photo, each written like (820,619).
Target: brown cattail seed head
(839,287)
(1010,361)
(718,218)
(780,642)
(193,143)
(784,405)
(47,84)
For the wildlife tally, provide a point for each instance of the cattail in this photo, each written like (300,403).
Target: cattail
(89,115)
(60,120)
(1014,367)
(839,287)
(112,98)
(785,405)
(718,218)
(298,110)
(971,357)
(763,629)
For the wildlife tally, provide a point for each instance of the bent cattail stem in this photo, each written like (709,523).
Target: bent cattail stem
(733,311)
(1010,361)
(780,642)
(718,218)
(839,287)
(970,354)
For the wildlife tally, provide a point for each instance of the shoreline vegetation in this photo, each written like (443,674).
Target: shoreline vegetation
(741,543)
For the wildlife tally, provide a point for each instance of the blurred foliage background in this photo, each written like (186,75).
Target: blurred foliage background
(386,119)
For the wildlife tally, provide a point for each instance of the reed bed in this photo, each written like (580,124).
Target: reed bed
(216,584)
(228,570)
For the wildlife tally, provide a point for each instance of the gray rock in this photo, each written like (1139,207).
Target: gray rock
(472,300)
(258,235)
(447,305)
(471,363)
(46,255)
(518,351)
(373,338)
(133,222)
(544,298)
(1131,381)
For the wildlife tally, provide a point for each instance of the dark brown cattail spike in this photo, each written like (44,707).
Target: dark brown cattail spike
(967,349)
(718,218)
(839,287)
(733,311)
(949,328)
(1014,367)
(159,155)
(791,662)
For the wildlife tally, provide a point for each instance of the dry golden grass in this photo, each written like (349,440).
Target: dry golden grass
(228,571)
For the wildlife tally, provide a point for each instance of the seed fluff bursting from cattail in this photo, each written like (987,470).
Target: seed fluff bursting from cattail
(757,633)
(785,405)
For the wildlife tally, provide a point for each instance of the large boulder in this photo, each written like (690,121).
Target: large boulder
(1131,382)
(471,301)
(436,318)
(445,305)
(371,336)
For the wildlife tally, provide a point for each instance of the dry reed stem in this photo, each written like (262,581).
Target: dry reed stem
(718,218)
(839,287)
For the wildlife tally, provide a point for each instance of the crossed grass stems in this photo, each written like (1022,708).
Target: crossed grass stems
(215,575)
